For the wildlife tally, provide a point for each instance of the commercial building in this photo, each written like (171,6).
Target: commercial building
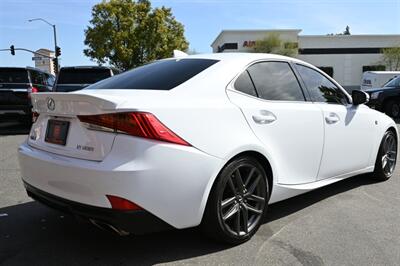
(344,57)
(44,62)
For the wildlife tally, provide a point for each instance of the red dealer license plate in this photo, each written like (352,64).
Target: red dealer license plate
(57,131)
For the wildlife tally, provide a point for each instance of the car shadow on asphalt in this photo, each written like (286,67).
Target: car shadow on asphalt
(35,233)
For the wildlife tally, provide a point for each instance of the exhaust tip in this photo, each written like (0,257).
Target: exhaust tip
(108,227)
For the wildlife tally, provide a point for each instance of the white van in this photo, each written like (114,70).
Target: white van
(376,79)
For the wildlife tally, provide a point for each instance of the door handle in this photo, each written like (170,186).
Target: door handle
(332,118)
(265,117)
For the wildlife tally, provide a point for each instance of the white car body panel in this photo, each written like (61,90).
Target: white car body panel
(305,132)
(173,182)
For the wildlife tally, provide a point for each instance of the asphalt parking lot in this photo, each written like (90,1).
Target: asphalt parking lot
(353,222)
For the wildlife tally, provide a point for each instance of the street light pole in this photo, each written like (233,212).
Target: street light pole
(55,40)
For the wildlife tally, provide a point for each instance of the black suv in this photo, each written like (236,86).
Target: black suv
(78,77)
(387,98)
(16,86)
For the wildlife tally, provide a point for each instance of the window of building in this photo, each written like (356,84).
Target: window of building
(373,68)
(327,70)
(276,81)
(244,84)
(320,88)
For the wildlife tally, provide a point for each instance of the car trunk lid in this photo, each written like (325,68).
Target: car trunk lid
(58,129)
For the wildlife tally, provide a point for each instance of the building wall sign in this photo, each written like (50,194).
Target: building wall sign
(249,43)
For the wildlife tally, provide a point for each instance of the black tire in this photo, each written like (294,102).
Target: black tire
(220,221)
(387,156)
(392,108)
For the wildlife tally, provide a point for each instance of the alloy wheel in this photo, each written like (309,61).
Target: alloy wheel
(243,200)
(389,154)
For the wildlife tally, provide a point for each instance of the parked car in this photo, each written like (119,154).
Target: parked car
(16,86)
(376,79)
(207,140)
(78,77)
(387,98)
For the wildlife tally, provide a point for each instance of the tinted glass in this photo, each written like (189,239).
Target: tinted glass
(276,81)
(393,83)
(13,75)
(159,75)
(50,80)
(244,84)
(37,77)
(321,89)
(82,75)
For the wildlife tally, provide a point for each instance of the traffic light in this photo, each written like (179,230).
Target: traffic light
(12,50)
(58,51)
(55,65)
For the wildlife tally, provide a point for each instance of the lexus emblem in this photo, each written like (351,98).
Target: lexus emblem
(51,105)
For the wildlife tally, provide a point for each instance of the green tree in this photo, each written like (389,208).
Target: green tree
(273,44)
(128,33)
(391,58)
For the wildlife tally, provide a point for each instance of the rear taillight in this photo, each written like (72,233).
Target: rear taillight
(32,90)
(122,204)
(138,124)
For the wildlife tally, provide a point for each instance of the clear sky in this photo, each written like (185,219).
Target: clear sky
(203,21)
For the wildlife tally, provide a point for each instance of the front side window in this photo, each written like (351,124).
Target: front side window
(276,81)
(321,89)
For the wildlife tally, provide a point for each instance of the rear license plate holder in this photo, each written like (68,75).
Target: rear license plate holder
(57,132)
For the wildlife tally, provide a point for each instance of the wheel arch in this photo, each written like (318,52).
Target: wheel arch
(260,157)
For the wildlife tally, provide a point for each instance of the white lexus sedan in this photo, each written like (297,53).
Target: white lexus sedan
(205,140)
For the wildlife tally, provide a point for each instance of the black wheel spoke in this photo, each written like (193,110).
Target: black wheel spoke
(239,180)
(227,202)
(245,220)
(231,185)
(254,185)
(255,198)
(252,209)
(246,183)
(238,221)
(231,212)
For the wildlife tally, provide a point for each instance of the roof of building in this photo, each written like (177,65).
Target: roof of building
(256,30)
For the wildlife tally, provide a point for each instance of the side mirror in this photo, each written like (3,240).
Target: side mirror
(359,97)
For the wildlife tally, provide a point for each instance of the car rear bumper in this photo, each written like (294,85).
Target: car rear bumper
(136,222)
(169,181)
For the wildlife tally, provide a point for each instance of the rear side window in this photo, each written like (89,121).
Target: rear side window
(321,89)
(13,75)
(244,84)
(37,77)
(82,75)
(276,81)
(159,75)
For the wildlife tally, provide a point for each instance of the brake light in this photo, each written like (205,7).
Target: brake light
(32,90)
(122,204)
(138,124)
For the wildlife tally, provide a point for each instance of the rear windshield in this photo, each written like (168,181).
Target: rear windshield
(13,75)
(82,75)
(159,75)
